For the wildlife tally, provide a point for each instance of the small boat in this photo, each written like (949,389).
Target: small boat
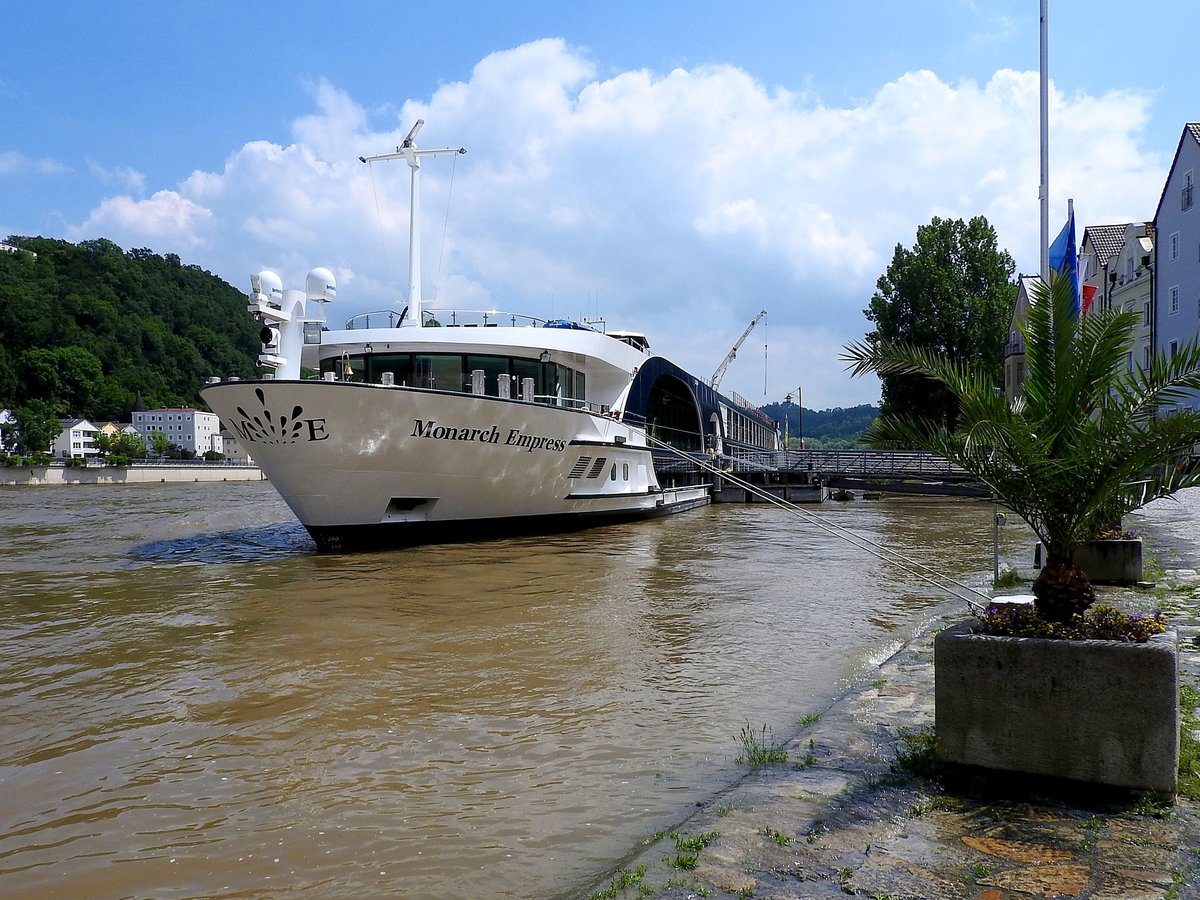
(431,425)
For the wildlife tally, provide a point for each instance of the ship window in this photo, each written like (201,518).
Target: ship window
(625,470)
(399,364)
(529,368)
(613,477)
(580,386)
(564,384)
(440,371)
(347,368)
(671,415)
(493,366)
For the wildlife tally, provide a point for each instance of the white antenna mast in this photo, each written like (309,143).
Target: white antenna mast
(411,155)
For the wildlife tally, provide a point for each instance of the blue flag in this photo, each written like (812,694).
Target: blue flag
(1063,258)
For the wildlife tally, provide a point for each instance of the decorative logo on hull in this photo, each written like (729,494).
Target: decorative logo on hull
(267,427)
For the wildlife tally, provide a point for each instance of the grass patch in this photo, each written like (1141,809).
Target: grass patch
(1009,578)
(917,754)
(1151,808)
(940,803)
(810,719)
(687,850)
(777,836)
(759,748)
(804,762)
(1189,747)
(622,880)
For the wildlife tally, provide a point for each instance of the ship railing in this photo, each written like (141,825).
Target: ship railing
(448,318)
(599,409)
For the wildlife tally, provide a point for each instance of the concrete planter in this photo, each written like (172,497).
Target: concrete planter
(1104,712)
(1106,562)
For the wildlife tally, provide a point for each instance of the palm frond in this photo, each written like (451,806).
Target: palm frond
(1088,438)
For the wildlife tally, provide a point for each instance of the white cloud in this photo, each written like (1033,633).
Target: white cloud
(678,203)
(166,221)
(124,177)
(13,162)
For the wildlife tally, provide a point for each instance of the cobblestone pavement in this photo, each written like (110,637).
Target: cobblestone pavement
(841,818)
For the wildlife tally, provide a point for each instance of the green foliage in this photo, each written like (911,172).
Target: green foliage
(687,855)
(160,442)
(759,748)
(1084,443)
(1009,578)
(626,878)
(917,754)
(86,327)
(1189,747)
(37,426)
(1100,623)
(951,294)
(827,429)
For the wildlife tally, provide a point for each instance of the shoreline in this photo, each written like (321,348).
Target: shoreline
(846,815)
(152,473)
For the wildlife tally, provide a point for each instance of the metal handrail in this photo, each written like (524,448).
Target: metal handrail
(472,317)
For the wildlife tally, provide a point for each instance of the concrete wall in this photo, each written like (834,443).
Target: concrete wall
(150,474)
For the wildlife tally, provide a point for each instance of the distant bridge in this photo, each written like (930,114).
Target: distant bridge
(796,471)
(860,464)
(896,471)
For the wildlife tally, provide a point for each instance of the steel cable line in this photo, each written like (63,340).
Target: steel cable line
(887,554)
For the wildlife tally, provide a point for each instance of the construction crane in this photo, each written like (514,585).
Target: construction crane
(717,375)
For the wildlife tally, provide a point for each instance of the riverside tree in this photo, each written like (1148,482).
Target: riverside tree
(36,426)
(1082,446)
(951,294)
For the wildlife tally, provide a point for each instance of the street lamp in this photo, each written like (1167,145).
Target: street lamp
(800,418)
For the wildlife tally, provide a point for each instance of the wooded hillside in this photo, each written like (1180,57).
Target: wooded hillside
(829,428)
(88,326)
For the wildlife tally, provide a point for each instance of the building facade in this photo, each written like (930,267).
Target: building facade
(1176,313)
(7,420)
(77,440)
(1014,347)
(1096,267)
(1131,289)
(188,429)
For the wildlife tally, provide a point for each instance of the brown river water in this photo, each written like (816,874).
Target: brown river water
(193,703)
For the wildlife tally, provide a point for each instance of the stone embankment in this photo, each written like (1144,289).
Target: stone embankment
(852,810)
(136,474)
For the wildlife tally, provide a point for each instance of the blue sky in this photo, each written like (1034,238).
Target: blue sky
(673,166)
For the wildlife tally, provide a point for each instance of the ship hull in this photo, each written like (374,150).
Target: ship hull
(365,466)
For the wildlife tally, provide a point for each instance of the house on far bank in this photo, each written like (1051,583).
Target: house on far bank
(233,448)
(6,418)
(77,440)
(1177,260)
(114,428)
(189,429)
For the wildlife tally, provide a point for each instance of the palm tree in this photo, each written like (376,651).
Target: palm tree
(1084,445)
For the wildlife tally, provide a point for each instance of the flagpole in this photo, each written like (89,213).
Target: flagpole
(1044,187)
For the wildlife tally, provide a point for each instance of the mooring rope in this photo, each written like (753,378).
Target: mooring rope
(887,554)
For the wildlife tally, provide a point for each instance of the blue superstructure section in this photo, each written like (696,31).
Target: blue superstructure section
(682,410)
